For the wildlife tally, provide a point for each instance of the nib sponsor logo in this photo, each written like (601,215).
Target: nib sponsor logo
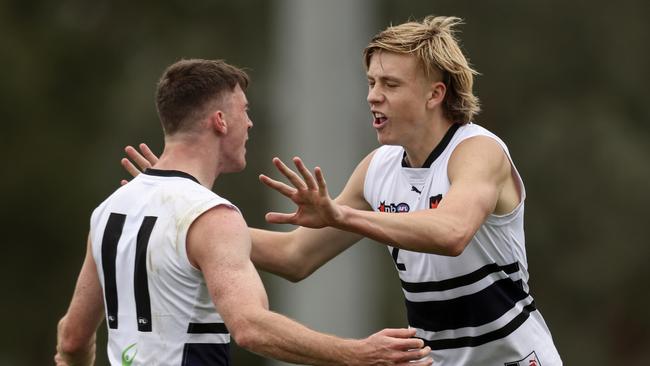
(393,207)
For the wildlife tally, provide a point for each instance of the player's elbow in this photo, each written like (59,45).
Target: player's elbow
(298,266)
(455,240)
(246,334)
(290,270)
(294,277)
(244,339)
(70,342)
(300,272)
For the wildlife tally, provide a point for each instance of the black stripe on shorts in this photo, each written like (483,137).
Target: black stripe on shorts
(207,328)
(483,338)
(471,310)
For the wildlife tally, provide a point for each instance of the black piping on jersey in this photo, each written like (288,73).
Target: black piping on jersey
(112,235)
(442,145)
(459,281)
(471,310)
(169,173)
(483,338)
(141,279)
(207,328)
(200,354)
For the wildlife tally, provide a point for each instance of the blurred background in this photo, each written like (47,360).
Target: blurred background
(565,84)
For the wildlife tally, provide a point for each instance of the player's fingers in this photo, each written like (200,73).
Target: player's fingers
(123,182)
(412,355)
(59,361)
(279,218)
(129,167)
(306,174)
(293,177)
(320,180)
(137,158)
(409,343)
(148,154)
(417,362)
(401,333)
(284,189)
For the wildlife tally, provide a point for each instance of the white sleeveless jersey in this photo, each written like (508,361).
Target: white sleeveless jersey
(474,309)
(158,309)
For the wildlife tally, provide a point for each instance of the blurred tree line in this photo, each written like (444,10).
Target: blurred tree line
(563,83)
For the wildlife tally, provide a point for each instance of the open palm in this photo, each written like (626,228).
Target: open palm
(309,192)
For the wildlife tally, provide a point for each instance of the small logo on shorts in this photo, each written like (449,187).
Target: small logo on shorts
(530,360)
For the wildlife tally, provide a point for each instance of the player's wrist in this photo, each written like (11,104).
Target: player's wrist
(350,351)
(341,217)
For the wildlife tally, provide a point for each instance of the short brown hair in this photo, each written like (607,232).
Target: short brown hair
(434,44)
(187,87)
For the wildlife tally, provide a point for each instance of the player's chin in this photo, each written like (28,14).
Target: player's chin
(236,167)
(242,165)
(385,139)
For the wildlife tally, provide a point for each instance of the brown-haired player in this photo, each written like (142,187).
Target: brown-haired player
(168,261)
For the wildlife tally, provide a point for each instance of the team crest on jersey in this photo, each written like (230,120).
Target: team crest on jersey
(530,360)
(393,207)
(434,201)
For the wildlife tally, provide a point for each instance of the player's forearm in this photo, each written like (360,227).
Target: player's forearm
(421,231)
(273,335)
(272,252)
(297,254)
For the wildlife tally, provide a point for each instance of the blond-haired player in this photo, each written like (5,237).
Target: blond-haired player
(442,193)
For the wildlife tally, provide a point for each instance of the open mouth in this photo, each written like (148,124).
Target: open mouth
(379,120)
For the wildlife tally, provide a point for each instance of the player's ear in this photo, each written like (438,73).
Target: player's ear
(436,94)
(217,121)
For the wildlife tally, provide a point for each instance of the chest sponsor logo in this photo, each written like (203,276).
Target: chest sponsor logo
(530,360)
(434,201)
(128,355)
(393,207)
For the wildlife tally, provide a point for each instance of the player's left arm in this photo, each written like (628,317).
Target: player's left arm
(76,330)
(478,170)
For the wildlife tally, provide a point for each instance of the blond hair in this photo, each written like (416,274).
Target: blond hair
(432,41)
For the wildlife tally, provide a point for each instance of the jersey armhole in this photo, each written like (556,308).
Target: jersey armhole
(371,173)
(188,219)
(493,218)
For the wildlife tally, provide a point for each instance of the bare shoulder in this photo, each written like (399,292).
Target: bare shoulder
(480,163)
(352,194)
(479,155)
(220,218)
(219,232)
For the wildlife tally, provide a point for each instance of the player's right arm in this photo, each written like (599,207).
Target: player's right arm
(76,330)
(219,245)
(296,254)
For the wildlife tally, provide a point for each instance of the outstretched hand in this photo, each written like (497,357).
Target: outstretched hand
(315,207)
(144,159)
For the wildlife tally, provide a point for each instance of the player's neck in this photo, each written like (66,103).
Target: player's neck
(198,160)
(418,150)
